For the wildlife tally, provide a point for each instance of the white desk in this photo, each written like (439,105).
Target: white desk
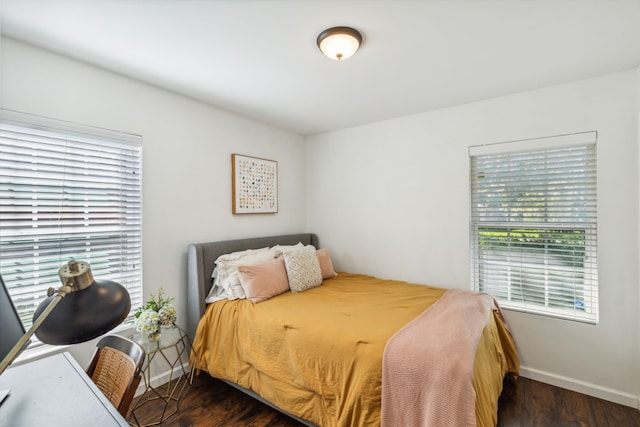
(54,392)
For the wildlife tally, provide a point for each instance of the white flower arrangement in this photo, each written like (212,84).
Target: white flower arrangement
(167,315)
(154,313)
(147,322)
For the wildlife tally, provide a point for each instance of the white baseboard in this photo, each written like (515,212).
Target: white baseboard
(583,387)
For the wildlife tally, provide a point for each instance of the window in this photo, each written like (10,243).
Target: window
(67,191)
(533,225)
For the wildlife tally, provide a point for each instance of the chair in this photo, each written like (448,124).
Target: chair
(115,369)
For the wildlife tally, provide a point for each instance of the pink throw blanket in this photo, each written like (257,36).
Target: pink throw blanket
(427,366)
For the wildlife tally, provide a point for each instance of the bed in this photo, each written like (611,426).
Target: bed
(355,350)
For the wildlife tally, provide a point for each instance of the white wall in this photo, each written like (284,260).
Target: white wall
(391,199)
(187,148)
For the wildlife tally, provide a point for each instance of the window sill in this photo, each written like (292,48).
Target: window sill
(45,350)
(549,312)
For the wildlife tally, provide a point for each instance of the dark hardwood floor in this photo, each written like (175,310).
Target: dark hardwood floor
(212,403)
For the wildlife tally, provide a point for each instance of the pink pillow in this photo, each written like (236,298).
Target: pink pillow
(263,281)
(326,266)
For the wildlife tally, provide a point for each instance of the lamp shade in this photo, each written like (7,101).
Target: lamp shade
(92,308)
(80,310)
(339,42)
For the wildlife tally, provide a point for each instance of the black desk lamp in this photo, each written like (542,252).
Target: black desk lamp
(84,309)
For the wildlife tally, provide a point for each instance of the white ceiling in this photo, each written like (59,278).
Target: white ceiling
(259,58)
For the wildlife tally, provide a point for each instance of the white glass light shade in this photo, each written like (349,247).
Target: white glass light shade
(339,42)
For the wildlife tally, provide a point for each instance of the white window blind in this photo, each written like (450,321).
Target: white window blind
(67,191)
(533,225)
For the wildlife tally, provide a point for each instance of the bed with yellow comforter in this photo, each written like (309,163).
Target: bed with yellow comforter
(318,354)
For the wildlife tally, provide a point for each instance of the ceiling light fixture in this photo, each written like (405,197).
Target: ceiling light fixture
(339,42)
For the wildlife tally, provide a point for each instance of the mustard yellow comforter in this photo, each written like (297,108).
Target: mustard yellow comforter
(318,354)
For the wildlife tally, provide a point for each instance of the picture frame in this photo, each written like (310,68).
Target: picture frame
(254,183)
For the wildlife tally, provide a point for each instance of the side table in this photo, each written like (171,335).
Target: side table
(170,352)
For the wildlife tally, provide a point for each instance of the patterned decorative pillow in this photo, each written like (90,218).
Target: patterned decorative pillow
(303,268)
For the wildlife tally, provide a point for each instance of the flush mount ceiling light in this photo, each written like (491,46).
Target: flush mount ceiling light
(339,42)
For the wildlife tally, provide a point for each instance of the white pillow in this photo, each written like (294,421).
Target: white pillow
(238,255)
(227,269)
(303,268)
(216,293)
(280,249)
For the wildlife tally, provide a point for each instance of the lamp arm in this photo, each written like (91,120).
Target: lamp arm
(60,293)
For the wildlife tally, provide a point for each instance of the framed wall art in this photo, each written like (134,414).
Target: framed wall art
(254,184)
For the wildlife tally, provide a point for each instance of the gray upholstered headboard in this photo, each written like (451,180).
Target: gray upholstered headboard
(200,264)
